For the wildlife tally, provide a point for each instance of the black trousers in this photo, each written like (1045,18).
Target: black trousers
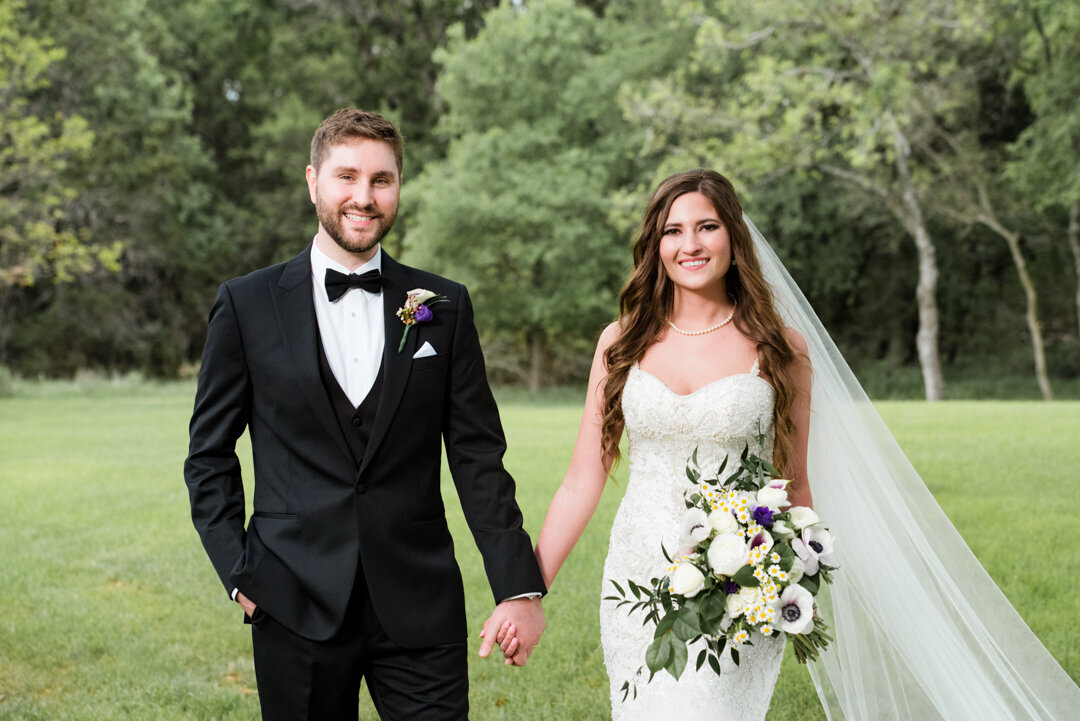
(304,680)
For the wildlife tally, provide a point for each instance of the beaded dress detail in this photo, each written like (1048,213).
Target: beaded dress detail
(663,429)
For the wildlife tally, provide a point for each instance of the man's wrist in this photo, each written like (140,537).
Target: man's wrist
(531,596)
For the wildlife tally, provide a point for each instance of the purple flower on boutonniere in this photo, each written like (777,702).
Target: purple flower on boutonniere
(417,309)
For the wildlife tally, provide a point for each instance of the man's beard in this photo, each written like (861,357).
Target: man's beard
(331,221)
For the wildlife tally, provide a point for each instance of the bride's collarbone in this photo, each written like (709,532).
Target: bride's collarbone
(685,371)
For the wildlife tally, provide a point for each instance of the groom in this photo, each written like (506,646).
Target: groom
(346,568)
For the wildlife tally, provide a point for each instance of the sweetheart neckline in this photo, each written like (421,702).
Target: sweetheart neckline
(665,386)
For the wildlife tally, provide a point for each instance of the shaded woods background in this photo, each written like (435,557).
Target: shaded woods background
(916,164)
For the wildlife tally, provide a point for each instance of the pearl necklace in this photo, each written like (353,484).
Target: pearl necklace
(703,331)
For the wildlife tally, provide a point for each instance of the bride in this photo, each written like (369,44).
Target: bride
(714,348)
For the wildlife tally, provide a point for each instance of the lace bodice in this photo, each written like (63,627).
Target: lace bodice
(663,429)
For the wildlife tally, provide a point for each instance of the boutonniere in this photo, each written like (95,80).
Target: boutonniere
(417,309)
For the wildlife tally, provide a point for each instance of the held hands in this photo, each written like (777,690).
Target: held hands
(515,626)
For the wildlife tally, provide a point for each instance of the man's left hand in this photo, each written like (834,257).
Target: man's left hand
(516,626)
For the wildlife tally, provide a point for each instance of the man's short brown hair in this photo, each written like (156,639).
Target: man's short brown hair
(354,123)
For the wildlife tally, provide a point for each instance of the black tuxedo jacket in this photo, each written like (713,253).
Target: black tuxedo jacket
(317,515)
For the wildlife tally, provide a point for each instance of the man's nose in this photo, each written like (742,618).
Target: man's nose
(362,194)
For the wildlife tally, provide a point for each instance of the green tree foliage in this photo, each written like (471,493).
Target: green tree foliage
(39,239)
(857,91)
(537,145)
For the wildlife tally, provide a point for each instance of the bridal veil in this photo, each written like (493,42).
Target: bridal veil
(921,630)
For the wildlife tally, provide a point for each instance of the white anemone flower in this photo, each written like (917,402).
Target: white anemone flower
(814,547)
(796,610)
(695,527)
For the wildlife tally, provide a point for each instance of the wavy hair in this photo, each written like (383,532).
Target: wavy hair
(645,303)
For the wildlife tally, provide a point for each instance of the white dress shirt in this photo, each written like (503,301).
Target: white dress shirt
(351,328)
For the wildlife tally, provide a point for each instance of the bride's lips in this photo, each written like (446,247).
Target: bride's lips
(693,263)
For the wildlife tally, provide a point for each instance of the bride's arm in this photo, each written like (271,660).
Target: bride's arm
(578,495)
(799,491)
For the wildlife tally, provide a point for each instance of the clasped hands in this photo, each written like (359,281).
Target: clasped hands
(515,627)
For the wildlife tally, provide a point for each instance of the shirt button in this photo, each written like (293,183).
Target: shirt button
(355,360)
(353,314)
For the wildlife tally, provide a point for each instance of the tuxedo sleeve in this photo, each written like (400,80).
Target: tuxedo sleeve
(221,413)
(475,445)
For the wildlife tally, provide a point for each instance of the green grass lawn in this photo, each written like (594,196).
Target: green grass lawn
(110,610)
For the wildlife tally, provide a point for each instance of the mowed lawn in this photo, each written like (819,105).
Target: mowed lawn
(110,610)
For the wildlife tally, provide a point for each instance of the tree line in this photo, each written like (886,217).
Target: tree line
(916,164)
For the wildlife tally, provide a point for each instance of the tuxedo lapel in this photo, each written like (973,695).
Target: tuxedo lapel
(396,365)
(295,311)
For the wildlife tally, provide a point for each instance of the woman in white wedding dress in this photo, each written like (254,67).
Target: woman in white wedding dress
(698,359)
(714,348)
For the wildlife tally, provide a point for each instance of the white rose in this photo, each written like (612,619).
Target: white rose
(749,595)
(420,295)
(733,606)
(687,580)
(772,498)
(695,527)
(801,517)
(796,610)
(722,521)
(727,554)
(779,528)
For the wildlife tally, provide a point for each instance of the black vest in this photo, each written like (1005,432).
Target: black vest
(355,422)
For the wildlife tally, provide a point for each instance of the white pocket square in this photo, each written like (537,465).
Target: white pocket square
(425,351)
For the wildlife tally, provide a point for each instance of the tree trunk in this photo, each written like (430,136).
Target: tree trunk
(536,360)
(926,339)
(1074,244)
(1032,314)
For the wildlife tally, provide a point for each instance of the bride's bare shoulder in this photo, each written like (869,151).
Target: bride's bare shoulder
(795,338)
(608,336)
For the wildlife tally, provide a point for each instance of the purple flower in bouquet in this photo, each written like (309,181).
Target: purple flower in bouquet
(763,515)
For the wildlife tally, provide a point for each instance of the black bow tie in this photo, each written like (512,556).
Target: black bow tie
(338,284)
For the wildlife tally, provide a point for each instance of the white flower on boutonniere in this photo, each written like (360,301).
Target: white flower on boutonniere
(417,309)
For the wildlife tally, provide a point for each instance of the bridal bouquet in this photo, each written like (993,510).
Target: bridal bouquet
(749,561)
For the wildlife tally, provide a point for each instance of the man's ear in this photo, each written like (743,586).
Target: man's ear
(311,178)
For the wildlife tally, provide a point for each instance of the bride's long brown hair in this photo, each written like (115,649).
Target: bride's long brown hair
(645,304)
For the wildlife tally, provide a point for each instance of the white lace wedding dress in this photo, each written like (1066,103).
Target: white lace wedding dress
(663,429)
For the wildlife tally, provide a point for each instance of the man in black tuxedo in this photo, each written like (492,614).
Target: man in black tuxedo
(346,568)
